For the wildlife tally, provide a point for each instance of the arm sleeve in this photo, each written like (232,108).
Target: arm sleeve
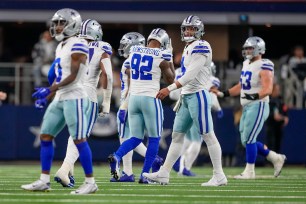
(51,74)
(198,61)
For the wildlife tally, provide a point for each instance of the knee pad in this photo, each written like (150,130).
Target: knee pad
(210,138)
(178,137)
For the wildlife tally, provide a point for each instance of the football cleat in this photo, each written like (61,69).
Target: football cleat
(69,185)
(246,175)
(63,178)
(216,181)
(161,177)
(187,172)
(158,162)
(143,180)
(86,188)
(278,164)
(124,178)
(114,165)
(38,185)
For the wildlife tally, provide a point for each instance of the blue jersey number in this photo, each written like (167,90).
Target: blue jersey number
(141,67)
(246,83)
(91,52)
(58,69)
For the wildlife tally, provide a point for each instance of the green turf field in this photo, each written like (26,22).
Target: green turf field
(290,187)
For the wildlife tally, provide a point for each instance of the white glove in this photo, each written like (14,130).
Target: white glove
(177,105)
(105,106)
(220,94)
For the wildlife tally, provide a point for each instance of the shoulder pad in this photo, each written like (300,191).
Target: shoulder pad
(106,47)
(126,64)
(201,47)
(166,55)
(267,65)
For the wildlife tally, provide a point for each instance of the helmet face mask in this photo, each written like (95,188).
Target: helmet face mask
(253,46)
(192,23)
(128,40)
(67,19)
(91,30)
(161,36)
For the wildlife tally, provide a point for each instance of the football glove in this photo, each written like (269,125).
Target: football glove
(41,93)
(40,103)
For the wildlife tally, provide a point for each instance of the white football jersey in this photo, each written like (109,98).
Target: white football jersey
(145,70)
(250,79)
(201,80)
(64,50)
(124,80)
(91,80)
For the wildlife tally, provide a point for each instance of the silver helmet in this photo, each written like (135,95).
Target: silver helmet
(161,36)
(70,19)
(128,40)
(91,30)
(197,24)
(258,45)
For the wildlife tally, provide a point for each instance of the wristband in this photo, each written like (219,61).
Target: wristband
(172,87)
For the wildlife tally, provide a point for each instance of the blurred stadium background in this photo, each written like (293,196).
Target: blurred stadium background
(281,23)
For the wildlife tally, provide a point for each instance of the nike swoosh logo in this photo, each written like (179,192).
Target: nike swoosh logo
(221,180)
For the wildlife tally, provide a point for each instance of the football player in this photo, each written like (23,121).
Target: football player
(70,102)
(194,106)
(99,66)
(254,88)
(127,41)
(145,111)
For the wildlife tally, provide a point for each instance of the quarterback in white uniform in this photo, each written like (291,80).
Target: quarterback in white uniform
(99,65)
(70,103)
(254,88)
(145,111)
(195,103)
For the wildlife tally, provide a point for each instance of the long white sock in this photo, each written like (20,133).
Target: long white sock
(183,154)
(90,180)
(192,153)
(127,161)
(141,149)
(272,156)
(45,178)
(175,150)
(72,154)
(215,152)
(249,167)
